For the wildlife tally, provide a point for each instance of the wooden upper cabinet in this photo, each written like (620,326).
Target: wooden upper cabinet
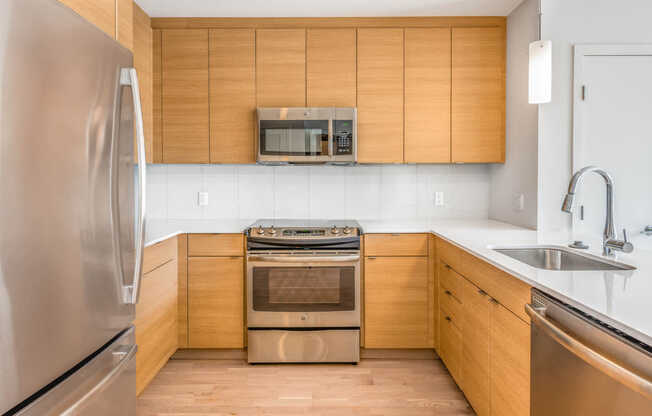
(478,95)
(99,12)
(510,364)
(143,62)
(157,96)
(185,107)
(331,68)
(281,67)
(380,95)
(125,23)
(427,95)
(232,95)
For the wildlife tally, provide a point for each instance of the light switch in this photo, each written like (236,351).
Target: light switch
(202,199)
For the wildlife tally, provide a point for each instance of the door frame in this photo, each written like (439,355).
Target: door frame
(580,52)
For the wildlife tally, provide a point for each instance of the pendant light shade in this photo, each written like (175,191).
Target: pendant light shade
(540,74)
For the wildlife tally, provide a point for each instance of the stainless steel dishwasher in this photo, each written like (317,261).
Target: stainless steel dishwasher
(581,366)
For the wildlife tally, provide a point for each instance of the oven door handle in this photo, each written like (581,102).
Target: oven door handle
(588,355)
(306,259)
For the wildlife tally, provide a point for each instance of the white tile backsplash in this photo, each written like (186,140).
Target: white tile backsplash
(366,192)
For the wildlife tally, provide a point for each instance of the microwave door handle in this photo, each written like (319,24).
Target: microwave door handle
(330,138)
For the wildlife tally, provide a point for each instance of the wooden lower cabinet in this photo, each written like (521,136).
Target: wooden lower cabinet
(484,345)
(450,344)
(476,347)
(215,302)
(510,364)
(156,315)
(396,297)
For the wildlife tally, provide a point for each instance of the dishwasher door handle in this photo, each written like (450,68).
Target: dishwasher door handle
(588,355)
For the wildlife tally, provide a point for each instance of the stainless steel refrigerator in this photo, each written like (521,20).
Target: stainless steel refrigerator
(71,214)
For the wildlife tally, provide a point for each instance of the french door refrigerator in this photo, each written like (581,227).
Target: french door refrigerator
(71,214)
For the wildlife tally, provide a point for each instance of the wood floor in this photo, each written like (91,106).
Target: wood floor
(372,388)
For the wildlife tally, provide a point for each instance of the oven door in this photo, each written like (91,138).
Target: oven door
(316,289)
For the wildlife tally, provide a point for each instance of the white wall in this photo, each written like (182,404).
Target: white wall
(519,173)
(249,192)
(567,23)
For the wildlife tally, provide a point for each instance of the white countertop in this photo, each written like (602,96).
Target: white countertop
(622,299)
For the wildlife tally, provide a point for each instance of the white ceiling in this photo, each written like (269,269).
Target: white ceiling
(326,8)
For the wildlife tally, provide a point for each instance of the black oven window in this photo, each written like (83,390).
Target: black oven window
(294,137)
(303,289)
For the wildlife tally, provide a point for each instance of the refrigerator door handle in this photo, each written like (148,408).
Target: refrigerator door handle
(131,293)
(125,353)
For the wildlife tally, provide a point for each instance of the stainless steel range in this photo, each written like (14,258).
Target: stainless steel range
(303,291)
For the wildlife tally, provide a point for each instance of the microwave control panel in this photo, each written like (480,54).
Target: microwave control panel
(342,137)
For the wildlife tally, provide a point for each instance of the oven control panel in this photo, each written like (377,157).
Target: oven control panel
(304,233)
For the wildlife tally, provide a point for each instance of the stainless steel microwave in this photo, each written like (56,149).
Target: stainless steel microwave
(303,135)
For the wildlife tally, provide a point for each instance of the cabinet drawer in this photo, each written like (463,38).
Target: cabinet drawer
(159,254)
(451,306)
(450,280)
(396,245)
(505,288)
(450,345)
(207,245)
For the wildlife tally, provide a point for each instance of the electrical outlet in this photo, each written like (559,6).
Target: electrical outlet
(202,199)
(439,199)
(518,202)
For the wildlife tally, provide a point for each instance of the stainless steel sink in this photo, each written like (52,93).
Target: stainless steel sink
(560,258)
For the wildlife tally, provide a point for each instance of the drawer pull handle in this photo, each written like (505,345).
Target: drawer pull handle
(448,292)
(447,266)
(448,318)
(482,292)
(494,301)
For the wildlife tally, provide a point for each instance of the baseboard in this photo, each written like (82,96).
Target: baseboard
(365,353)
(209,354)
(399,354)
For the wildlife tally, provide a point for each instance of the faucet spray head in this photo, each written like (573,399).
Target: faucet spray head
(567,206)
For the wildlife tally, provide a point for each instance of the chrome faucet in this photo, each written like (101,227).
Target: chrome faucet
(610,242)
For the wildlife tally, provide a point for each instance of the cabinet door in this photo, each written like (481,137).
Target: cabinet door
(143,62)
(510,364)
(380,95)
(125,23)
(427,95)
(331,68)
(450,344)
(185,96)
(476,336)
(215,302)
(99,12)
(156,322)
(281,67)
(232,95)
(396,302)
(478,95)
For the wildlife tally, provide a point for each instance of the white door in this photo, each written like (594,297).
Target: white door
(613,130)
